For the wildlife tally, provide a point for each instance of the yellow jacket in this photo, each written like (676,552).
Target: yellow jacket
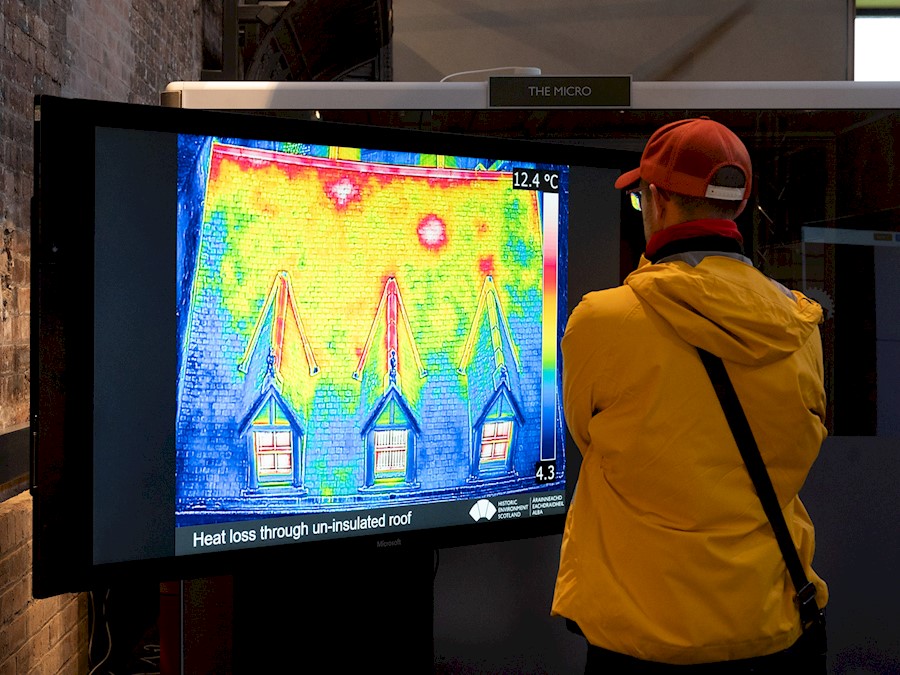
(667,554)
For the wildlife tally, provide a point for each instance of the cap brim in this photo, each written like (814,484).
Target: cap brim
(628,178)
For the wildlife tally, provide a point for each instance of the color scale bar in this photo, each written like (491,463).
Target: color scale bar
(550,226)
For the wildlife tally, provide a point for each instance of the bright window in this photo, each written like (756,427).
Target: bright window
(876,53)
(390,452)
(495,437)
(273,443)
(274,453)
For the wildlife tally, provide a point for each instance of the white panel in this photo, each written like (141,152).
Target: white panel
(474,95)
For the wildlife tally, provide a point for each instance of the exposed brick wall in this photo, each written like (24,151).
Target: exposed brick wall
(36,636)
(121,50)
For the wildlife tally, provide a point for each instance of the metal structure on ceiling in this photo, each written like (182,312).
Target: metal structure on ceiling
(297,40)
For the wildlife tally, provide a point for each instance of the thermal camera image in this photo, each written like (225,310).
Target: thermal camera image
(357,327)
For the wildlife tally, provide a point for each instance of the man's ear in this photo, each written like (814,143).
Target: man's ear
(659,199)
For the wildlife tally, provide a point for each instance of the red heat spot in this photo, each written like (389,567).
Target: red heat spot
(249,163)
(486,265)
(215,164)
(342,191)
(432,232)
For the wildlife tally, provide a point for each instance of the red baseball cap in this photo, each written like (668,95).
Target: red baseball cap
(687,157)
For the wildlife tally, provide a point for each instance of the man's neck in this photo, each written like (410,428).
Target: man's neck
(713,234)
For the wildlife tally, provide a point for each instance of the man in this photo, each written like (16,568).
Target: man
(668,560)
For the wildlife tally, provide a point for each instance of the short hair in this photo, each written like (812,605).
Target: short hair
(704,207)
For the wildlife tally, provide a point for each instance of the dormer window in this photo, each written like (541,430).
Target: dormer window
(495,442)
(274,446)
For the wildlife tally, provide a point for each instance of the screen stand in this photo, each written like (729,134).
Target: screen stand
(350,613)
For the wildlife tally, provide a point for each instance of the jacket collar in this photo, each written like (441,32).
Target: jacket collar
(709,234)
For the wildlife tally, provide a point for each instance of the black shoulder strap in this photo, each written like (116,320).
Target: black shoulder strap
(743,436)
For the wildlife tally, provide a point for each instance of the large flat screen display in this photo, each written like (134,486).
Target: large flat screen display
(252,334)
(366,341)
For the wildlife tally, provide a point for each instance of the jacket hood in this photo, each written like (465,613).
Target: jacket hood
(727,307)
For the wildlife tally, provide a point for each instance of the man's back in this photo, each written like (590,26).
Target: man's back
(668,555)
